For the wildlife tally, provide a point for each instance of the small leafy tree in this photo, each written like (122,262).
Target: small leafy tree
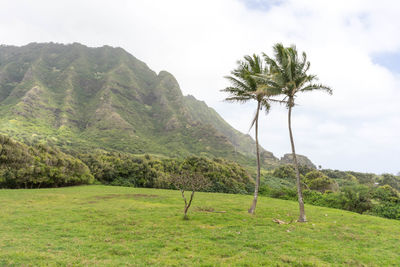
(189,181)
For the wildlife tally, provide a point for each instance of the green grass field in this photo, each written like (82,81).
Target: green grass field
(119,226)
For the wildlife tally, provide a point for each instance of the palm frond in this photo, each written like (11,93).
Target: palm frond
(238,99)
(313,87)
(265,103)
(238,84)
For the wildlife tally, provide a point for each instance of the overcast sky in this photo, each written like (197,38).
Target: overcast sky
(353,46)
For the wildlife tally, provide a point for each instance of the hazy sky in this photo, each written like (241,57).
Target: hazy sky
(353,46)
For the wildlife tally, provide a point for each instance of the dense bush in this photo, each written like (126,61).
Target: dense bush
(387,209)
(351,191)
(146,171)
(225,176)
(357,199)
(390,179)
(285,172)
(387,194)
(347,178)
(23,166)
(316,180)
(35,166)
(123,169)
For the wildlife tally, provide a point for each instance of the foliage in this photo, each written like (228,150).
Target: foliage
(41,166)
(387,193)
(23,166)
(357,199)
(346,190)
(351,178)
(124,169)
(390,179)
(316,180)
(387,209)
(285,172)
(149,171)
(225,176)
(382,201)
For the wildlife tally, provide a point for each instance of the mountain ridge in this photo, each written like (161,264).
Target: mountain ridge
(78,97)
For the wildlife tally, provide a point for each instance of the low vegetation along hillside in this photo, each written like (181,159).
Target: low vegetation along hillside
(38,166)
(120,226)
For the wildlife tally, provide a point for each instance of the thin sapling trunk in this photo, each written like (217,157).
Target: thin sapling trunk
(187,204)
(189,181)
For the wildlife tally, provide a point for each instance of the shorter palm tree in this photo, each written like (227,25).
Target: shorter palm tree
(244,87)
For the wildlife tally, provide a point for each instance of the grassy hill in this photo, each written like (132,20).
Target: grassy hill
(119,226)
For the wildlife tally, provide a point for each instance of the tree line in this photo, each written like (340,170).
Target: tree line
(364,193)
(38,166)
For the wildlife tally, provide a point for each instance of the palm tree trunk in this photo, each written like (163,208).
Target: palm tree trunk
(302,217)
(257,186)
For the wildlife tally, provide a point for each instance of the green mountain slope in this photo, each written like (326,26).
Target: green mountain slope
(77,98)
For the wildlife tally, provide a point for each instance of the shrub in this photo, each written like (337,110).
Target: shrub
(387,194)
(316,180)
(23,166)
(388,210)
(390,179)
(145,171)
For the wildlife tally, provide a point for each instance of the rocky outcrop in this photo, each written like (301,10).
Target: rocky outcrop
(302,160)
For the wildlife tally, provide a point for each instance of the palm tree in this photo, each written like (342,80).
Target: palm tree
(244,87)
(289,73)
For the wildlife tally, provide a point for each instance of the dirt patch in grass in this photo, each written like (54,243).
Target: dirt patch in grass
(204,209)
(208,209)
(111,196)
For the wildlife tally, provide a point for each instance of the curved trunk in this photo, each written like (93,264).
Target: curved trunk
(257,186)
(302,217)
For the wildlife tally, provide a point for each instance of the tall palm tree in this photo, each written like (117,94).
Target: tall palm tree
(289,73)
(244,87)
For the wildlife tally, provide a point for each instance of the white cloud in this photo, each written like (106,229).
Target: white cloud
(199,42)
